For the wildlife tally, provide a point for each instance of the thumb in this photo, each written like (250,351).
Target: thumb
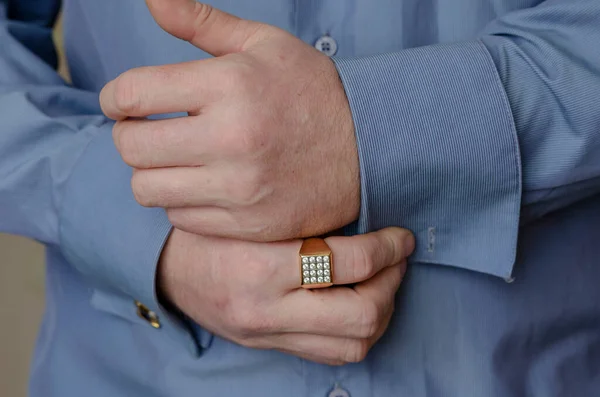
(361,257)
(214,31)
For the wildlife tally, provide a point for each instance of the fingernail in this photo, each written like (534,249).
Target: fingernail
(409,244)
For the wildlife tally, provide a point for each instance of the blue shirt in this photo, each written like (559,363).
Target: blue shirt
(478,126)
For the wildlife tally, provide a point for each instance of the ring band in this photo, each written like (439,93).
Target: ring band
(316,264)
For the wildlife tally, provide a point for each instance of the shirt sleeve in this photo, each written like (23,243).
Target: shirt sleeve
(464,142)
(62,182)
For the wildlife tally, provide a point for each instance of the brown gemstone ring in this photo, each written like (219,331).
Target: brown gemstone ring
(316,264)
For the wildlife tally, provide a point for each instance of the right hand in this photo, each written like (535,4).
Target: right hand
(250,293)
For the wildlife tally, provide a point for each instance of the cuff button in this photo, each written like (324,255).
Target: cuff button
(146,314)
(339,392)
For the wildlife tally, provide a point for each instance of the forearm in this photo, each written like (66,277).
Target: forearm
(458,141)
(548,61)
(62,182)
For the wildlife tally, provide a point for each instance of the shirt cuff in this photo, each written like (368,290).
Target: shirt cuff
(108,237)
(438,153)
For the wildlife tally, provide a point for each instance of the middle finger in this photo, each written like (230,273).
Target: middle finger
(182,141)
(341,311)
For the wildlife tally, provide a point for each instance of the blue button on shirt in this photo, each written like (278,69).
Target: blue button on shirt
(478,127)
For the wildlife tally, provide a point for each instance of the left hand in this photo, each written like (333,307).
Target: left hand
(249,293)
(268,151)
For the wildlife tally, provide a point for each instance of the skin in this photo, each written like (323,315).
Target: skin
(267,155)
(249,293)
(268,152)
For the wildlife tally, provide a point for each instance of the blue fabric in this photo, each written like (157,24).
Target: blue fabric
(448,140)
(478,125)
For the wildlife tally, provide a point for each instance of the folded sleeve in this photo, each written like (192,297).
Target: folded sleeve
(464,142)
(62,181)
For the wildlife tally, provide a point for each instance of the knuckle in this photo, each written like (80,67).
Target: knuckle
(163,73)
(126,95)
(249,190)
(202,15)
(130,150)
(175,218)
(364,263)
(390,245)
(180,218)
(369,320)
(118,135)
(238,76)
(142,189)
(356,351)
(248,322)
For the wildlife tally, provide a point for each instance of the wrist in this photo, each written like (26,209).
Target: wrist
(350,164)
(164,274)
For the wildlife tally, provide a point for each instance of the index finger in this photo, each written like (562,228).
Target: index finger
(354,259)
(152,90)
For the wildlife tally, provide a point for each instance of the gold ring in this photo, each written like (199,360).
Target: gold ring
(316,264)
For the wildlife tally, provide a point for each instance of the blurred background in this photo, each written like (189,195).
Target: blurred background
(21,301)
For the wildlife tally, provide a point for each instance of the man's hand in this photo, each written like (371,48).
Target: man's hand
(249,292)
(268,151)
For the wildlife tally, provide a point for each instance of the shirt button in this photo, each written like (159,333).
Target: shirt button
(339,392)
(148,315)
(327,45)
